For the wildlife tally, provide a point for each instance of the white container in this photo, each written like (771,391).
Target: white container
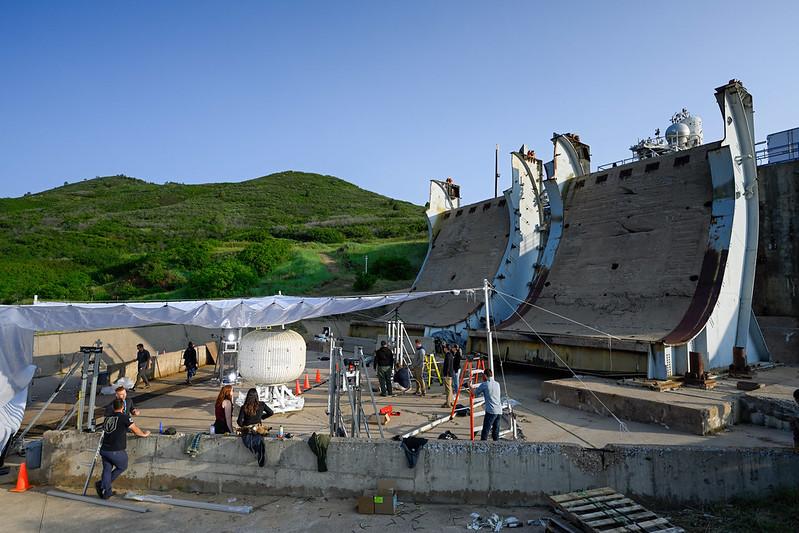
(272,357)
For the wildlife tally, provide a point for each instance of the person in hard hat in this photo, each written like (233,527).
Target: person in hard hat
(112,448)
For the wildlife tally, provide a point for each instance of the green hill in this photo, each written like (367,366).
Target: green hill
(124,238)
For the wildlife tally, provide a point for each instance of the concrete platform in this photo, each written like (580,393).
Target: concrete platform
(190,409)
(697,411)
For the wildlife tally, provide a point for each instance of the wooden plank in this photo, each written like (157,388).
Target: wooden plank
(638,526)
(621,519)
(612,512)
(574,503)
(561,498)
(599,505)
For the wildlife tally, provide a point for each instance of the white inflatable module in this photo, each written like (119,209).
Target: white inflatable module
(272,357)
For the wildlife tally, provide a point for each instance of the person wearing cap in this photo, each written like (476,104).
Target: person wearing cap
(384,363)
(127,405)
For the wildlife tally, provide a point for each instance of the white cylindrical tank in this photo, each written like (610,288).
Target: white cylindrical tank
(694,123)
(272,357)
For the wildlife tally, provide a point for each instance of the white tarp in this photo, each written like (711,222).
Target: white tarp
(19,322)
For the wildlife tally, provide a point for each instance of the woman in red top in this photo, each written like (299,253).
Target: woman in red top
(223,411)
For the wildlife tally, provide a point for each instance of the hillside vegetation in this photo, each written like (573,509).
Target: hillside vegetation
(121,238)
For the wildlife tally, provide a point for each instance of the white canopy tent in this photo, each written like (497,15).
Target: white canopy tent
(18,323)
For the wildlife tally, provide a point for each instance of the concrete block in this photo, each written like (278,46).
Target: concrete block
(700,416)
(510,473)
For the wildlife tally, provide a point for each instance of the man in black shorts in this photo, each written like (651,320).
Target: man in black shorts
(112,450)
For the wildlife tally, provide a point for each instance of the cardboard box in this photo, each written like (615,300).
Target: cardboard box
(366,505)
(385,503)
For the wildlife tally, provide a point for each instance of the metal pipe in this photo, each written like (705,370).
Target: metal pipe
(488,327)
(240,509)
(97,501)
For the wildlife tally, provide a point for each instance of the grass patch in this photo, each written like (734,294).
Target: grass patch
(773,513)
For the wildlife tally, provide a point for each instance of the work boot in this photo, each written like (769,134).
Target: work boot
(98,486)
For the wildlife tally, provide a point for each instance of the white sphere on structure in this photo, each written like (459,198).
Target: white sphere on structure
(677,134)
(272,357)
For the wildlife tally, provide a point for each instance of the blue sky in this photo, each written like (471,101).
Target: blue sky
(384,94)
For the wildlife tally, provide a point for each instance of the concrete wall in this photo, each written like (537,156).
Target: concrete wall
(54,353)
(776,292)
(511,473)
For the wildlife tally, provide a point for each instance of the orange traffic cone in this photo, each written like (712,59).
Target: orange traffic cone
(22,479)
(297,390)
(318,378)
(307,384)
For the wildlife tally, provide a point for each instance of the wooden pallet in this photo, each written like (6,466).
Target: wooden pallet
(651,384)
(606,511)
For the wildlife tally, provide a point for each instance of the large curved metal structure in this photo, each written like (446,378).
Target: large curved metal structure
(660,250)
(657,255)
(500,240)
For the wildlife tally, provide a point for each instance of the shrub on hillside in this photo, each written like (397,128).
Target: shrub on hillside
(364,281)
(223,278)
(263,256)
(393,268)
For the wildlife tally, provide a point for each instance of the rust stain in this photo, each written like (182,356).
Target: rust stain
(708,288)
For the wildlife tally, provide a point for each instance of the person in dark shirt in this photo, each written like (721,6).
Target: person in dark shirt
(449,362)
(384,363)
(249,420)
(112,449)
(795,424)
(223,411)
(143,364)
(190,360)
(128,407)
(457,355)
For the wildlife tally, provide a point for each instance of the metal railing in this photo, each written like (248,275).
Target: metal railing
(763,155)
(775,154)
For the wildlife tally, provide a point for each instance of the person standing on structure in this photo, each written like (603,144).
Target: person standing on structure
(417,368)
(112,449)
(493,396)
(143,365)
(384,364)
(190,360)
(449,372)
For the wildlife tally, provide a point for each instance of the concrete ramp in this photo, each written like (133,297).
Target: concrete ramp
(631,258)
(467,245)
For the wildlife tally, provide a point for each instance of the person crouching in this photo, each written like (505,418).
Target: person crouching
(249,420)
(112,449)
